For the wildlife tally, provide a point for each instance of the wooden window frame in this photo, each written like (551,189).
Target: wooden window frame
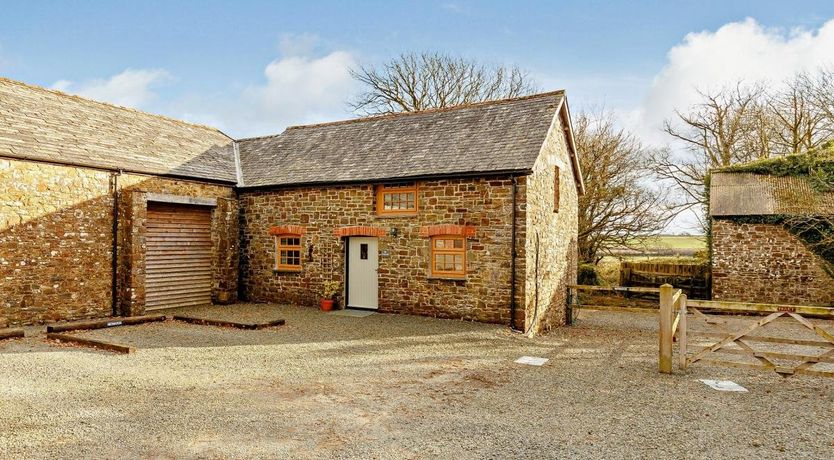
(557,182)
(382,190)
(287,247)
(447,251)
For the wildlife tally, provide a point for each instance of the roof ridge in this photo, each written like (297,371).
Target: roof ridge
(111,105)
(265,136)
(420,112)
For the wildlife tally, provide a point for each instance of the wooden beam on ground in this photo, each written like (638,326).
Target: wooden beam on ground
(103,323)
(11,334)
(92,343)
(223,323)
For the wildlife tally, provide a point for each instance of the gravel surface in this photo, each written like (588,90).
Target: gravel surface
(393,386)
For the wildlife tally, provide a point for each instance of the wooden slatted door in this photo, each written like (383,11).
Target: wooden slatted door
(178,260)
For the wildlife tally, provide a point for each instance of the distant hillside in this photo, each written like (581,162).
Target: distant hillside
(665,245)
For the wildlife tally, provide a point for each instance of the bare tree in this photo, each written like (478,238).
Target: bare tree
(822,97)
(746,122)
(798,119)
(728,126)
(618,206)
(413,82)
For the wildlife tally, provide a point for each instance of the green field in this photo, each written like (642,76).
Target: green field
(679,248)
(674,242)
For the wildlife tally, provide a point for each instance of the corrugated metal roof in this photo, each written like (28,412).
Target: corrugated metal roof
(746,194)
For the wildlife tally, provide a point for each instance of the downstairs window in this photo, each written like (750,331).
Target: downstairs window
(288,252)
(448,256)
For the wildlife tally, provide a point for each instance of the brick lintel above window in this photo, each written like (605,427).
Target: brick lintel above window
(466,231)
(288,230)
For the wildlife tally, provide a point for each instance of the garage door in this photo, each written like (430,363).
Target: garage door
(178,261)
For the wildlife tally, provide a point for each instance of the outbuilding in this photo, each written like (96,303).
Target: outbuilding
(761,251)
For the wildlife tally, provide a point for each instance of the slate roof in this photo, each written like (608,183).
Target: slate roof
(46,125)
(746,194)
(491,137)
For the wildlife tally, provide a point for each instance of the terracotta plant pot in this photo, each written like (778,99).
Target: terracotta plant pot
(326,304)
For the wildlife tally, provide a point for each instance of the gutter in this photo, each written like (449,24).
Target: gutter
(513,255)
(377,180)
(120,171)
(114,306)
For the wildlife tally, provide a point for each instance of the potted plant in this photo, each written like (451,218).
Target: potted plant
(328,290)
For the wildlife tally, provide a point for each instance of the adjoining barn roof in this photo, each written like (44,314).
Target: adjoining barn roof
(484,138)
(45,125)
(746,194)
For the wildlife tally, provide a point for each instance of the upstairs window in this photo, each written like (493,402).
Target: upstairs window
(288,252)
(448,256)
(556,183)
(399,199)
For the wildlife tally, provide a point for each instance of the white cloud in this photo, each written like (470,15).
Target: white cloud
(297,89)
(131,88)
(743,50)
(709,60)
(298,44)
(303,87)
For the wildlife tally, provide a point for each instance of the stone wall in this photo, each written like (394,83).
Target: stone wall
(765,263)
(55,242)
(405,284)
(551,243)
(56,239)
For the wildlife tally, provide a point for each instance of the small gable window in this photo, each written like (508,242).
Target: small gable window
(288,252)
(396,199)
(448,256)
(556,183)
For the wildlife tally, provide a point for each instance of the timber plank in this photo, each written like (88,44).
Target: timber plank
(103,323)
(222,323)
(9,333)
(93,343)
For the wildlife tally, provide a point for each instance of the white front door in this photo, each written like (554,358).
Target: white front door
(363,280)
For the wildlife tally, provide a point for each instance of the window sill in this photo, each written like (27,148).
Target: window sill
(446,278)
(286,270)
(396,215)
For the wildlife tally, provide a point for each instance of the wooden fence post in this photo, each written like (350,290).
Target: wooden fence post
(682,332)
(665,361)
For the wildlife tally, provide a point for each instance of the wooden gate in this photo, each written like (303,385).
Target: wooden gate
(783,341)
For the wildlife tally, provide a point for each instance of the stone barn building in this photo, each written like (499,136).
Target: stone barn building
(468,212)
(755,258)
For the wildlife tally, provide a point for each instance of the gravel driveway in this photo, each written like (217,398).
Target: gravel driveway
(393,386)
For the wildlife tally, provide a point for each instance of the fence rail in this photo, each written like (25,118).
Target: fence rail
(694,279)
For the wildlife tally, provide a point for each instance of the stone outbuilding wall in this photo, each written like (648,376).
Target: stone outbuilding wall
(132,214)
(551,224)
(765,263)
(405,283)
(56,239)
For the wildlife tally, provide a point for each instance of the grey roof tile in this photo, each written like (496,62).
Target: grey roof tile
(46,125)
(488,137)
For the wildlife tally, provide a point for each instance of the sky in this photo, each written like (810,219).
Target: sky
(254,67)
